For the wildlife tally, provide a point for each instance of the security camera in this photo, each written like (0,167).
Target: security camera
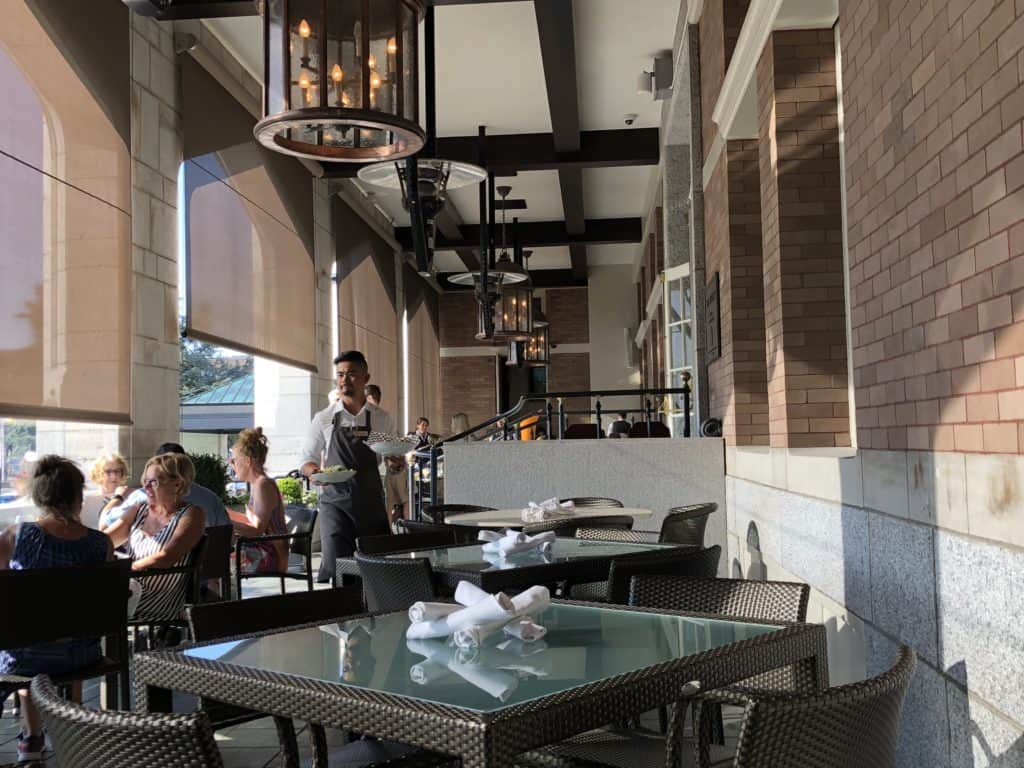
(630,119)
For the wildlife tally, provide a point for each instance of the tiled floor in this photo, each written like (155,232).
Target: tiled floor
(252,745)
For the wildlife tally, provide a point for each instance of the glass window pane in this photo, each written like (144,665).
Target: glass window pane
(675,301)
(687,344)
(687,298)
(677,347)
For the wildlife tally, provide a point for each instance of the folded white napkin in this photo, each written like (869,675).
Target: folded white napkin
(524,628)
(496,682)
(422,611)
(526,604)
(427,672)
(516,541)
(490,535)
(468,593)
(492,609)
(546,510)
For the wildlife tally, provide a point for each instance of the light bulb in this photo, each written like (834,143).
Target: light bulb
(304,29)
(304,82)
(392,46)
(346,100)
(375,80)
(337,74)
(372,61)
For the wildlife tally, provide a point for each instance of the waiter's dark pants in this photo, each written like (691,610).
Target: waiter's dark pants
(337,537)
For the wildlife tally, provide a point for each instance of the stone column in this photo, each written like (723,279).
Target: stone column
(803,252)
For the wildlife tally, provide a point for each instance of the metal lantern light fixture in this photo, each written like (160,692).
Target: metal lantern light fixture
(512,305)
(341,80)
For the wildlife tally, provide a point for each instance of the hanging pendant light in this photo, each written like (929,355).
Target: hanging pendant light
(341,79)
(512,308)
(435,176)
(502,271)
(537,349)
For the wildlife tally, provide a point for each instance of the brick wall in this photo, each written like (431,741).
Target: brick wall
(568,314)
(467,385)
(716,227)
(801,210)
(720,25)
(459,320)
(935,197)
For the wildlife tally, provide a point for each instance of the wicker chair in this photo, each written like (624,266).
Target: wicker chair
(463,534)
(594,501)
(685,525)
(404,542)
(763,600)
(300,521)
(855,726)
(87,738)
(393,584)
(436,513)
(181,591)
(81,602)
(217,620)
(616,534)
(689,562)
(567,526)
(216,565)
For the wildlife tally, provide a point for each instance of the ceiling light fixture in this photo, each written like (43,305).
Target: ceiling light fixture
(341,79)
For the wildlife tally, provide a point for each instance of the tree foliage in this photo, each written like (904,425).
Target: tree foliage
(203,367)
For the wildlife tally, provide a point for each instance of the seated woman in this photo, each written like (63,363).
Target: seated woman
(58,539)
(109,472)
(265,511)
(161,532)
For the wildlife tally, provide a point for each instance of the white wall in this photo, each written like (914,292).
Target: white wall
(652,474)
(612,307)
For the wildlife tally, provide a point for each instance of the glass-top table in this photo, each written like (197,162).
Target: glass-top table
(569,558)
(486,705)
(513,518)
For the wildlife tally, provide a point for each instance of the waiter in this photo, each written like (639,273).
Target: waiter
(354,508)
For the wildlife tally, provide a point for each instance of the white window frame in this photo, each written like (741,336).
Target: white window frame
(677,276)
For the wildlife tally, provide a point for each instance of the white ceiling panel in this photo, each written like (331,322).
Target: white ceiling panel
(615,42)
(539,188)
(607,255)
(489,70)
(614,192)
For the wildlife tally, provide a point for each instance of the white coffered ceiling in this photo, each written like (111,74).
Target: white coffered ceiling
(490,72)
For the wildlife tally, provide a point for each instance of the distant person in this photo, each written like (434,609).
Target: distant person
(422,432)
(197,494)
(460,424)
(337,437)
(108,472)
(620,427)
(265,510)
(57,540)
(373,395)
(161,531)
(21,484)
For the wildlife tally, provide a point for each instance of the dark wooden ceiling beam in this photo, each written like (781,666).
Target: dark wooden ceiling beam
(449,225)
(544,234)
(557,35)
(511,153)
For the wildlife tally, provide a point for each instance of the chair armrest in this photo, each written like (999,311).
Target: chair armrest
(276,537)
(148,572)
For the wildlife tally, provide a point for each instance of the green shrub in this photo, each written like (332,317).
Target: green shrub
(291,490)
(211,472)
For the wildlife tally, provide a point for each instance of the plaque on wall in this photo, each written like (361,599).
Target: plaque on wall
(712,320)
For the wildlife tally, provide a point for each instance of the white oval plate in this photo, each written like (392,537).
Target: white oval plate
(391,445)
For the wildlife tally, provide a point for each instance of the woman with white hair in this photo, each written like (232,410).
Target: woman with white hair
(109,473)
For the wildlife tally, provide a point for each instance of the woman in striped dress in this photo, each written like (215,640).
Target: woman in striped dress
(161,532)
(58,539)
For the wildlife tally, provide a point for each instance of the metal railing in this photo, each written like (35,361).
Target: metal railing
(549,409)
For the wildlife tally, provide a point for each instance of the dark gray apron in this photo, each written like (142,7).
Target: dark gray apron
(354,508)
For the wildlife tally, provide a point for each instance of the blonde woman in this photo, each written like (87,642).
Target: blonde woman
(265,510)
(108,473)
(161,532)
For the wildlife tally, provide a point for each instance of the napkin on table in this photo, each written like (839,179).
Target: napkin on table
(493,609)
(546,510)
(516,541)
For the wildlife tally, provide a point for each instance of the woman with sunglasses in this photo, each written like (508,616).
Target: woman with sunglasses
(161,532)
(109,473)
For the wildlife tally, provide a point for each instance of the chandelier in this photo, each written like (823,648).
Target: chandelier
(341,79)
(511,307)
(535,352)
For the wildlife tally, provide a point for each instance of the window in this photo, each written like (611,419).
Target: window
(680,351)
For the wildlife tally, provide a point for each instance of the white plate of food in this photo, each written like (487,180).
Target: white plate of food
(335,474)
(391,445)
